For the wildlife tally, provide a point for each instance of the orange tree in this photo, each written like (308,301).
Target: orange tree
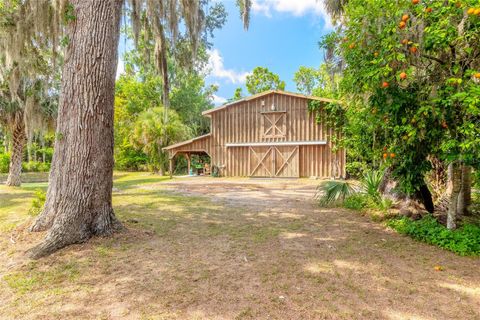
(412,70)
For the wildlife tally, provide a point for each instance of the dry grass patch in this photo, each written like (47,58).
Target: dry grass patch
(230,249)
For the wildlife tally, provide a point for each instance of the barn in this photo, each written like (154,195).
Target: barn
(271,134)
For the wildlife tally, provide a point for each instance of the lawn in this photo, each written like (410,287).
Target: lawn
(205,248)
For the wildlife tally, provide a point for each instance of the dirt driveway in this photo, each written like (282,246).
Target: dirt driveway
(205,248)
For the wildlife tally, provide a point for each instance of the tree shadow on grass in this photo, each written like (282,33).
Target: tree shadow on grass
(190,257)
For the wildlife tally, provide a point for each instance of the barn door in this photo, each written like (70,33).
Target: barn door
(261,162)
(279,161)
(286,161)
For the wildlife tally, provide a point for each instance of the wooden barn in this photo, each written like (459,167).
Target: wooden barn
(271,134)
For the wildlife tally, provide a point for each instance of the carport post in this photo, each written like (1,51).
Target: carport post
(171,167)
(188,163)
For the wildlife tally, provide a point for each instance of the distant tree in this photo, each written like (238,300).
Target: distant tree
(148,135)
(27,94)
(237,95)
(262,80)
(307,79)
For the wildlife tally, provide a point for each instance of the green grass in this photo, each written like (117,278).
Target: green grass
(15,203)
(32,279)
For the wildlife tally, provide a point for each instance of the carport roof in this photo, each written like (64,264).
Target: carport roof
(183,143)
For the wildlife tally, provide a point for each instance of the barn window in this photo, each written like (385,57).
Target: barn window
(274,124)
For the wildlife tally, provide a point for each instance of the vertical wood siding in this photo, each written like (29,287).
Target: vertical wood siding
(244,123)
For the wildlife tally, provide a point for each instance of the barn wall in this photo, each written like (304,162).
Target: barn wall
(243,123)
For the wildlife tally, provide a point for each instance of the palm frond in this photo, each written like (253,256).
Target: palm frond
(334,191)
(371,181)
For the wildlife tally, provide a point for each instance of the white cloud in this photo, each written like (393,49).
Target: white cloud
(217,100)
(218,70)
(296,7)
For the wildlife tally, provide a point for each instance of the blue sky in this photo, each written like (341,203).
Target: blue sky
(283,36)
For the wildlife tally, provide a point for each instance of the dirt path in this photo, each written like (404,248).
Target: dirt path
(201,248)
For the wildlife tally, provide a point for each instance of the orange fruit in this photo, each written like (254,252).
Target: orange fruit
(438,268)
(352,45)
(458,4)
(405,17)
(415,1)
(392,155)
(405,41)
(428,10)
(444,125)
(403,76)
(477,75)
(476,12)
(384,148)
(375,54)
(402,24)
(385,155)
(471,11)
(385,84)
(413,49)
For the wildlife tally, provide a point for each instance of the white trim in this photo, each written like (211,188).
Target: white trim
(277,143)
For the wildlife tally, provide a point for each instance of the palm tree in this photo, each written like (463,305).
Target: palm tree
(25,47)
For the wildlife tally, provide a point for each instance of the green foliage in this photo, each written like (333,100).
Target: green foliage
(69,14)
(139,90)
(307,79)
(237,95)
(151,133)
(35,166)
(4,162)
(130,159)
(409,93)
(370,184)
(355,169)
(334,192)
(262,80)
(357,201)
(464,241)
(37,202)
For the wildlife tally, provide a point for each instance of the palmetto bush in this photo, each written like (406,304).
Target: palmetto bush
(370,183)
(367,190)
(335,191)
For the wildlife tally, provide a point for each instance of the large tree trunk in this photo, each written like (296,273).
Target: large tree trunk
(414,205)
(18,144)
(79,196)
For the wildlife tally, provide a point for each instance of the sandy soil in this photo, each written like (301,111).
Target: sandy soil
(204,248)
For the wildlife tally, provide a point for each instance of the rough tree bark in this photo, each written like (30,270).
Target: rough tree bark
(410,205)
(18,144)
(465,196)
(455,172)
(79,196)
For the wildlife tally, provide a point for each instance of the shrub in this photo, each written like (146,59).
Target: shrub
(37,202)
(357,201)
(4,162)
(35,166)
(355,169)
(370,183)
(464,241)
